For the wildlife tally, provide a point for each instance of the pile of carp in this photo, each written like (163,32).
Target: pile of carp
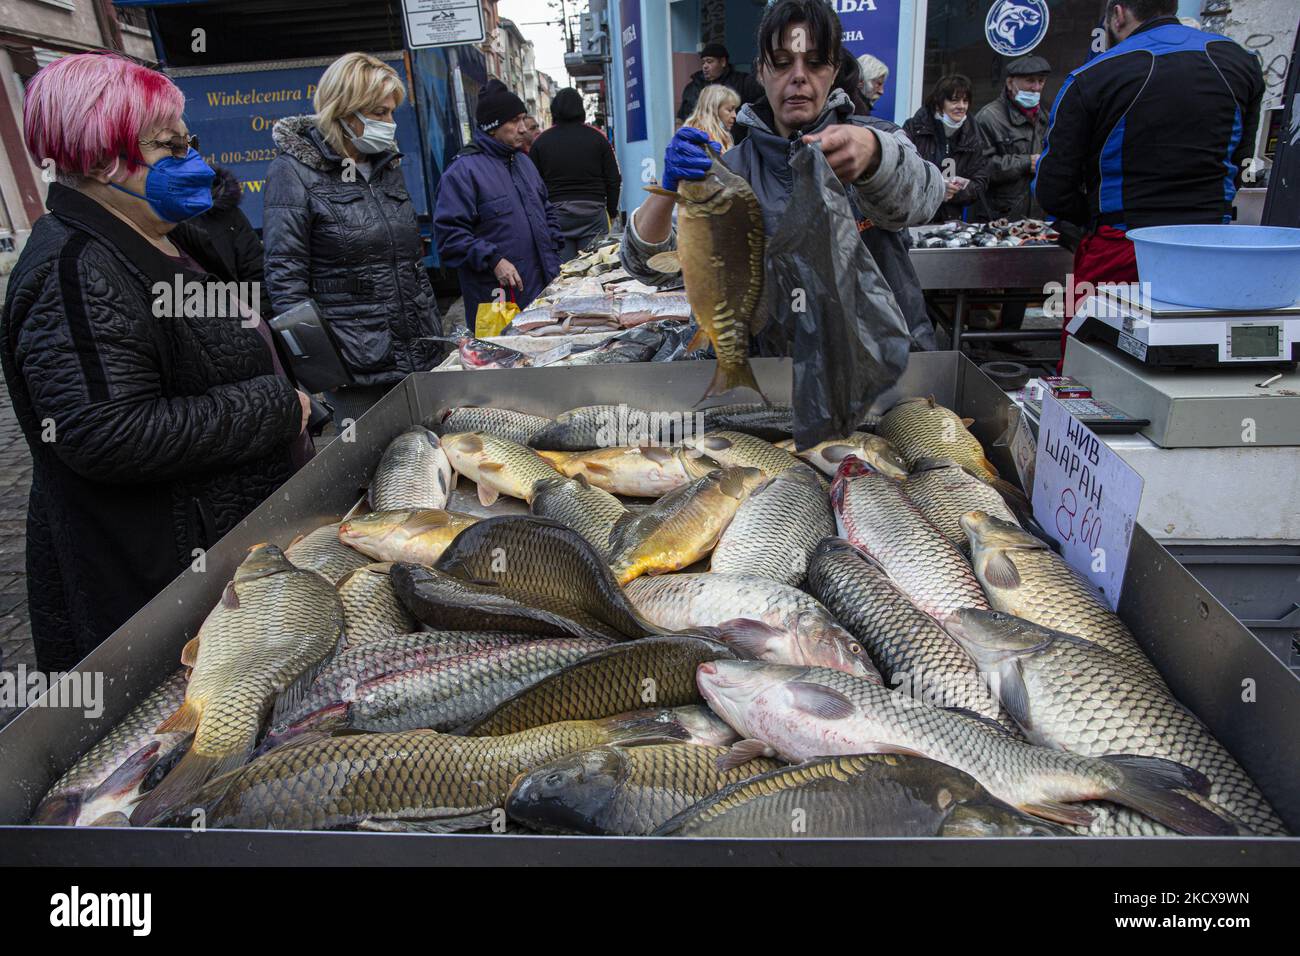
(702,631)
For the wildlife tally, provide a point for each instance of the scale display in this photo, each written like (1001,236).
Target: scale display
(1254,341)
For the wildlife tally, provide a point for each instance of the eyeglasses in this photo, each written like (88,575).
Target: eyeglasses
(179,146)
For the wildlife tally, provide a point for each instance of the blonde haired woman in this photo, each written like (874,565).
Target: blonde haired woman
(715,113)
(340,230)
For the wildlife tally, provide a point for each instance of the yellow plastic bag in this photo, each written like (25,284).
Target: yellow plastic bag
(494,316)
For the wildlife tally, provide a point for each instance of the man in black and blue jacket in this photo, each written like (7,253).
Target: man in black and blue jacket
(1152,132)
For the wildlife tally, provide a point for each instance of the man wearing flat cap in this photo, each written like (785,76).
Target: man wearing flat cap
(715,67)
(1014,126)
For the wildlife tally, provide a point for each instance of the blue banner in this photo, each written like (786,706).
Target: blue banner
(232,115)
(871,26)
(633,71)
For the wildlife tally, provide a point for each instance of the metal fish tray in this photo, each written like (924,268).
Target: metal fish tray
(1247,697)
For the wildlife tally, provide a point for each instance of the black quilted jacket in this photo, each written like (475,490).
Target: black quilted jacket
(354,249)
(150,436)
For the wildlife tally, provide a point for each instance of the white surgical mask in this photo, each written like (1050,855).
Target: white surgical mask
(948,121)
(1027,99)
(376,136)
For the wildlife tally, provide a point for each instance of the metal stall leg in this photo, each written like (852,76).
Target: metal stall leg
(958,319)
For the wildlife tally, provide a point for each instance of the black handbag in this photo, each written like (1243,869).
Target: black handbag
(309,346)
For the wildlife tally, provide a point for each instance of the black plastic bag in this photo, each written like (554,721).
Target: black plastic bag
(830,307)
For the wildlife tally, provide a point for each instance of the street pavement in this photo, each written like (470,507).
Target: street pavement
(15,482)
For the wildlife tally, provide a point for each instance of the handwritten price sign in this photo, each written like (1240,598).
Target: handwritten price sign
(1086,497)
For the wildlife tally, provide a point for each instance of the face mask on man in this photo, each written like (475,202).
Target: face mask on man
(1028,99)
(177,189)
(376,136)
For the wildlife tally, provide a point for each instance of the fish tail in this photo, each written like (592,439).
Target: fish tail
(727,377)
(182,785)
(643,727)
(1152,786)
(60,810)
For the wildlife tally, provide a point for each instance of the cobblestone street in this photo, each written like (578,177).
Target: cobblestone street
(15,481)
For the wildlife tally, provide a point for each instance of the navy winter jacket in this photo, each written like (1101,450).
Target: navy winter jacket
(492,205)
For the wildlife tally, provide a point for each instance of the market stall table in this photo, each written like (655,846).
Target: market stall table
(967,274)
(1197,645)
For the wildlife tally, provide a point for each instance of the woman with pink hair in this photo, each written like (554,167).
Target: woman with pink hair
(154,424)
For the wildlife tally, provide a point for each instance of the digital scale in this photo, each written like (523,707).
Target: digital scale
(1164,335)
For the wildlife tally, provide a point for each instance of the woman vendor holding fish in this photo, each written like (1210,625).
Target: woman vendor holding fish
(889,186)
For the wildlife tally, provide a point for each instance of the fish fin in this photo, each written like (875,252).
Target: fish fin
(746,636)
(660,191)
(643,726)
(184,720)
(492,466)
(290,739)
(469,443)
(470,821)
(428,520)
(60,810)
(728,379)
(987,723)
(990,468)
(114,818)
(1151,786)
(786,445)
(967,422)
(183,784)
(660,456)
(837,453)
(1001,571)
(698,340)
(932,463)
(742,752)
(820,701)
(487,495)
(129,776)
(229,597)
(190,652)
(1059,812)
(1014,695)
(291,696)
(597,467)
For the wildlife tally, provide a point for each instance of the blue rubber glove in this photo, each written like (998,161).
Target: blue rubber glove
(687,157)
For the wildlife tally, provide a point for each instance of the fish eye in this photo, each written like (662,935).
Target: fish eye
(855,648)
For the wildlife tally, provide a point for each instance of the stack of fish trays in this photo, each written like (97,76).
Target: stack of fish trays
(1246,696)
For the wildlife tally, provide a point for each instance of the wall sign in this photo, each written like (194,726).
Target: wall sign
(1014,27)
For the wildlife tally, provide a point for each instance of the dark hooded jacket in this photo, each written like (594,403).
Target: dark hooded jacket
(353,248)
(223,234)
(966,149)
(492,205)
(904,191)
(575,160)
(151,435)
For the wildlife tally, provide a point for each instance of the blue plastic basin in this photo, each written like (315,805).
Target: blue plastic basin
(1220,266)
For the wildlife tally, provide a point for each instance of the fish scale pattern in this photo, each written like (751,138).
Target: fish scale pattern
(413,473)
(652,671)
(341,781)
(945,494)
(1089,701)
(371,610)
(776,529)
(875,514)
(908,647)
(322,552)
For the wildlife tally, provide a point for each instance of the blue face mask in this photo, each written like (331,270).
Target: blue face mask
(1027,99)
(177,189)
